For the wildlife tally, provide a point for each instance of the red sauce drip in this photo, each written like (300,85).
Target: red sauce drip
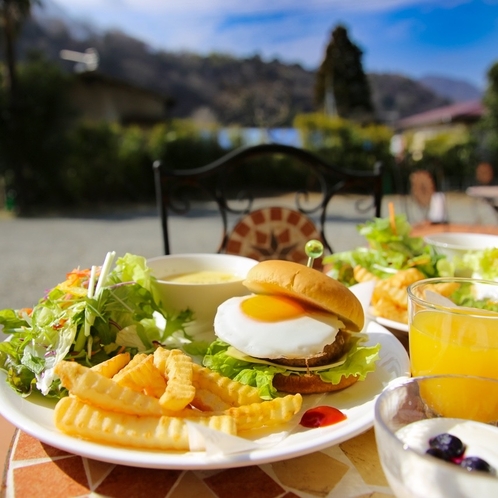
(321,416)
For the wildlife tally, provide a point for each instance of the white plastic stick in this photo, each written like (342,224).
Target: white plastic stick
(109,259)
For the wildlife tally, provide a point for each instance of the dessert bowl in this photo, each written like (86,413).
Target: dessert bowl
(411,412)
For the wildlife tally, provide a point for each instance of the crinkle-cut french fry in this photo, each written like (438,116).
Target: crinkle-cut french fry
(207,401)
(113,365)
(179,389)
(136,360)
(94,388)
(143,377)
(268,413)
(397,296)
(361,274)
(403,278)
(444,288)
(160,357)
(387,309)
(231,392)
(76,418)
(380,289)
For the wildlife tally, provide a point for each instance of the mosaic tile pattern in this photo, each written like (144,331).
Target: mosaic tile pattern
(272,233)
(351,469)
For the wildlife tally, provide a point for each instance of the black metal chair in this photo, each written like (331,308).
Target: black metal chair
(275,232)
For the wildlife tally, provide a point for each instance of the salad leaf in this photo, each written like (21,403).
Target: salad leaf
(389,249)
(484,262)
(73,323)
(360,361)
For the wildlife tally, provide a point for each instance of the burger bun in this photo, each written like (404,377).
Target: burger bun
(310,286)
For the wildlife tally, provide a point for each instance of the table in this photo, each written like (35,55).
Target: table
(350,469)
(427,228)
(489,193)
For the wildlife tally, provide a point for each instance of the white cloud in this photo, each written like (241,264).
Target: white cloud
(231,7)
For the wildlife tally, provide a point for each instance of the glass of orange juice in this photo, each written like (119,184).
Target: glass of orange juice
(453,329)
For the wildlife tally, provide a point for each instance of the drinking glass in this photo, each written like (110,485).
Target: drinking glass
(453,328)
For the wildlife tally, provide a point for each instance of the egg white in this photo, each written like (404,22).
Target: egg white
(293,338)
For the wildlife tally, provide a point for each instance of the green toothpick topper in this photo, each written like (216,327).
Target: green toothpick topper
(313,249)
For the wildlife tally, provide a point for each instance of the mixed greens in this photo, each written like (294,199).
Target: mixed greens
(390,249)
(482,263)
(93,315)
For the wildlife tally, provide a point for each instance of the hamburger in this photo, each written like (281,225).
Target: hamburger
(298,332)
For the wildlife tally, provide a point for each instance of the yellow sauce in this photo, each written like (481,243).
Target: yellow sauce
(201,277)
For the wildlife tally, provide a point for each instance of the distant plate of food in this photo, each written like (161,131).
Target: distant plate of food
(363,291)
(34,415)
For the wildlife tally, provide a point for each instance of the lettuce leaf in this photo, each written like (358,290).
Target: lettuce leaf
(360,361)
(388,251)
(484,262)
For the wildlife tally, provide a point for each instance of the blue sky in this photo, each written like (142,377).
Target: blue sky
(456,38)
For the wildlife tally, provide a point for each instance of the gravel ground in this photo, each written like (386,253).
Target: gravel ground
(36,253)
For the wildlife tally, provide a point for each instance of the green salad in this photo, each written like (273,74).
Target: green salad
(390,248)
(93,315)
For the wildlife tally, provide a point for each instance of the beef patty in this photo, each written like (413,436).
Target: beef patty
(330,353)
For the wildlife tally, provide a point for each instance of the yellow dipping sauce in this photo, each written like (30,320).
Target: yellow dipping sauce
(201,277)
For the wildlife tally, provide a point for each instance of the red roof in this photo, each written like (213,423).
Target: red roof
(461,111)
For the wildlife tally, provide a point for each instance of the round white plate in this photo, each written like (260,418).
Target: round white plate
(35,417)
(392,324)
(363,292)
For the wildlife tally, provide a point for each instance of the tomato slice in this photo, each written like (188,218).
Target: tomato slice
(321,416)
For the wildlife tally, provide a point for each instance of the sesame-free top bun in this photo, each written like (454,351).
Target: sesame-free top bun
(308,285)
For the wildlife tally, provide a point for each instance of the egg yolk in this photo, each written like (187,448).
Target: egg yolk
(271,308)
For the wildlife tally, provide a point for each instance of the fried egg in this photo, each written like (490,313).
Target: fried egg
(270,326)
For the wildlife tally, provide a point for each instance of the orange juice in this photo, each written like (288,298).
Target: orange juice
(448,342)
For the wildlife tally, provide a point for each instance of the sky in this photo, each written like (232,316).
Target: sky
(415,38)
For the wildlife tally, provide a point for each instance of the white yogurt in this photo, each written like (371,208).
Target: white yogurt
(481,440)
(412,474)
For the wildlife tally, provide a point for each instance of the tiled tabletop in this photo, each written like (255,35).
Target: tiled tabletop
(351,469)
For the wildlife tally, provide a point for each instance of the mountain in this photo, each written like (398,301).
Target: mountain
(218,87)
(396,96)
(455,90)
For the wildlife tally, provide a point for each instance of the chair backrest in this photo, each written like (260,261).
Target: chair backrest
(227,182)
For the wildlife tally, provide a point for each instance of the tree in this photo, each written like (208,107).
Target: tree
(12,15)
(489,123)
(342,87)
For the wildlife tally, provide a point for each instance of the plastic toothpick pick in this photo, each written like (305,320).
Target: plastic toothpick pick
(313,249)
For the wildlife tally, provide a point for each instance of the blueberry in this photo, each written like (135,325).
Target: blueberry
(450,445)
(476,463)
(436,452)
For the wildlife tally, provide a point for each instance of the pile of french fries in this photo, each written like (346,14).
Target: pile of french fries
(390,297)
(145,402)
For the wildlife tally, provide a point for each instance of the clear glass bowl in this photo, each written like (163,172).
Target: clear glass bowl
(411,411)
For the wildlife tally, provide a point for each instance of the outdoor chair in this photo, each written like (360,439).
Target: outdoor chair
(265,172)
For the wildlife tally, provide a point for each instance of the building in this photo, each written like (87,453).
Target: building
(413,131)
(102,98)
(443,118)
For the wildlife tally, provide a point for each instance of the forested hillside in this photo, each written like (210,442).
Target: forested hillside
(221,88)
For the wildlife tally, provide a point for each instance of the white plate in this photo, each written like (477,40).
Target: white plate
(35,417)
(392,324)
(363,292)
